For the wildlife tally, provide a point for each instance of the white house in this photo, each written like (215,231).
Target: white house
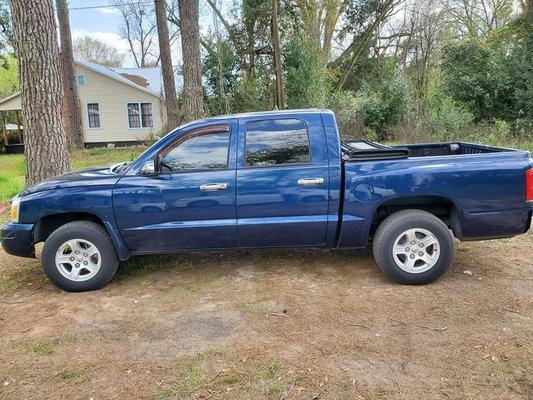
(119,105)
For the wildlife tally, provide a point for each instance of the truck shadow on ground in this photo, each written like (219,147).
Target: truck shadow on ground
(287,261)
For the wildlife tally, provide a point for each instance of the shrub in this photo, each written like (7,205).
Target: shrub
(344,105)
(384,101)
(251,95)
(446,118)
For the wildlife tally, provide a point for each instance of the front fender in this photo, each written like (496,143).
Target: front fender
(95,201)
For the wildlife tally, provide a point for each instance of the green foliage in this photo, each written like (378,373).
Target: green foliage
(344,105)
(230,88)
(306,80)
(221,70)
(252,94)
(384,99)
(492,76)
(446,117)
(9,76)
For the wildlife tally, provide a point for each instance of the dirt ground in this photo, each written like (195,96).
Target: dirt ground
(280,324)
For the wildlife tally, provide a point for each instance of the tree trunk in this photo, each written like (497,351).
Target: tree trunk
(333,9)
(279,100)
(193,98)
(68,79)
(37,49)
(171,99)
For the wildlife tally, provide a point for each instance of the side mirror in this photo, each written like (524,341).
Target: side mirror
(148,169)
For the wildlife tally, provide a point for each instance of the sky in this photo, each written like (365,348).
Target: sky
(99,23)
(103,24)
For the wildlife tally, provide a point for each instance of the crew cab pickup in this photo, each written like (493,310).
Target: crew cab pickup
(274,179)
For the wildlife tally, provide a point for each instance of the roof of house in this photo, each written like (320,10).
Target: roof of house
(110,73)
(153,77)
(11,96)
(149,80)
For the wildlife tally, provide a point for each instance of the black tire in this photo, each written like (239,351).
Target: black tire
(393,226)
(83,230)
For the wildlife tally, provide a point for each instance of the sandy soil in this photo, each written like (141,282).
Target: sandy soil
(281,324)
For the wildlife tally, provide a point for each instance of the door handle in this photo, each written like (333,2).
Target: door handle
(213,187)
(310,181)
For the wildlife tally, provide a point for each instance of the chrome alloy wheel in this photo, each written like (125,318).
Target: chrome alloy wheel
(78,260)
(416,250)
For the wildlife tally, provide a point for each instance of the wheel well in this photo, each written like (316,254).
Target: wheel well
(50,223)
(441,207)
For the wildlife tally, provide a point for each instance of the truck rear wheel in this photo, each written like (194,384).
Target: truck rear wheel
(413,247)
(79,256)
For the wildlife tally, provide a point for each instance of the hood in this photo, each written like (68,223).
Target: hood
(106,175)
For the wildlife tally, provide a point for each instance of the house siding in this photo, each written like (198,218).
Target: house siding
(113,96)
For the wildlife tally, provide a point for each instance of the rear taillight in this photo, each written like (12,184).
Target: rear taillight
(529,184)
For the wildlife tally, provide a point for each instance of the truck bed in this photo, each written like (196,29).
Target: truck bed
(482,187)
(449,149)
(366,150)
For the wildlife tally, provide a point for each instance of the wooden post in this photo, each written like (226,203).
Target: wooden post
(4,131)
(19,133)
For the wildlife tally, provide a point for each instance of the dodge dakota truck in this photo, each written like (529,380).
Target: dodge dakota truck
(274,179)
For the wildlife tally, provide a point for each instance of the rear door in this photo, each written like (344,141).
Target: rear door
(282,181)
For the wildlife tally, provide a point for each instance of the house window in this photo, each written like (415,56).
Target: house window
(140,115)
(80,79)
(93,115)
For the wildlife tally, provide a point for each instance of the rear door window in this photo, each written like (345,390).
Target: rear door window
(277,142)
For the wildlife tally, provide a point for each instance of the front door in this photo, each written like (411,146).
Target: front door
(282,181)
(190,204)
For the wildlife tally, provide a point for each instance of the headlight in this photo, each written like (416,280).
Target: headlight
(15,208)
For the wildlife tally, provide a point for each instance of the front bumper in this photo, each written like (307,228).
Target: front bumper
(17,239)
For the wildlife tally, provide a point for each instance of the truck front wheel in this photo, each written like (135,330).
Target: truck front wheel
(413,247)
(79,256)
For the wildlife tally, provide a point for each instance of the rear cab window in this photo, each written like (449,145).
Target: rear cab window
(274,142)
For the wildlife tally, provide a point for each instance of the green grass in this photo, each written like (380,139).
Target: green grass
(38,346)
(13,167)
(208,279)
(252,308)
(65,375)
(189,380)
(11,176)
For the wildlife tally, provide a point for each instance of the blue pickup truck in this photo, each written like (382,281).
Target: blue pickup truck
(274,179)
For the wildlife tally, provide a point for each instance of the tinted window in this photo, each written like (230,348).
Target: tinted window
(273,142)
(199,152)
